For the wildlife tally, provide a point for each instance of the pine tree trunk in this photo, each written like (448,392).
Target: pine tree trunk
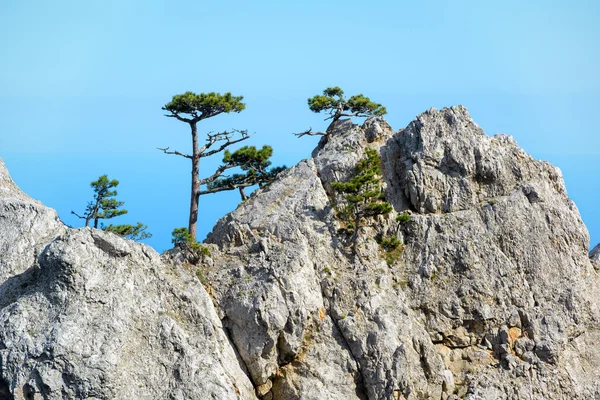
(195,183)
(243,194)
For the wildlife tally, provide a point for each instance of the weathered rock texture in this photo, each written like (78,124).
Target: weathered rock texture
(87,315)
(493,294)
(595,257)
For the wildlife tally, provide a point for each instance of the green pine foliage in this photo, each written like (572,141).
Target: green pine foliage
(334,103)
(392,248)
(255,165)
(204,105)
(136,232)
(363,195)
(181,236)
(106,206)
(389,243)
(403,218)
(250,158)
(193,250)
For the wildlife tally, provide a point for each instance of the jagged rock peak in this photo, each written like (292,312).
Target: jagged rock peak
(7,186)
(490,295)
(447,163)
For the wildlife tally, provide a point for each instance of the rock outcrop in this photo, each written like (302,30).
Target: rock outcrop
(87,315)
(595,257)
(492,294)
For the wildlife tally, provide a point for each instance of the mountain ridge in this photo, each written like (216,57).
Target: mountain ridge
(494,294)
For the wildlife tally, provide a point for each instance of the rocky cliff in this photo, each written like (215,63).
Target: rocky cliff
(492,294)
(87,315)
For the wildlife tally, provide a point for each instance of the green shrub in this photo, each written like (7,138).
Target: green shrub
(201,277)
(194,251)
(403,218)
(392,248)
(389,243)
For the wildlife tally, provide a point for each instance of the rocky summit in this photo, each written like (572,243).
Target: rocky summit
(488,292)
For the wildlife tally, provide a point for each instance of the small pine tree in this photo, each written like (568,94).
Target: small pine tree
(364,196)
(333,102)
(192,250)
(105,206)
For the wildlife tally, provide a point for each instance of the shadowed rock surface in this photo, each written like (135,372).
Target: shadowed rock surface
(88,315)
(493,294)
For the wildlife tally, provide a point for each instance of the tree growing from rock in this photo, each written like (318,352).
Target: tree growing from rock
(106,206)
(192,250)
(135,232)
(255,164)
(192,108)
(363,196)
(333,102)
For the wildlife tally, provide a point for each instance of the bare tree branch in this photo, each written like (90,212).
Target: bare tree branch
(175,114)
(310,133)
(165,150)
(228,142)
(210,141)
(221,136)
(77,215)
(225,188)
(217,173)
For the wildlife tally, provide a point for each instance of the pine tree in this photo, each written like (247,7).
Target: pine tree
(192,108)
(333,102)
(105,206)
(192,250)
(363,195)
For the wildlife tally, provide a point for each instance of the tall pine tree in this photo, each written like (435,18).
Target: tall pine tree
(192,108)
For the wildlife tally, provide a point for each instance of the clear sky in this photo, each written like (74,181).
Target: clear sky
(82,84)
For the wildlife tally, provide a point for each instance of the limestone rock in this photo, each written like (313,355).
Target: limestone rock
(492,295)
(595,257)
(86,314)
(26,227)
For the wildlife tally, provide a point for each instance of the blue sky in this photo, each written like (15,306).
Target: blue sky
(82,84)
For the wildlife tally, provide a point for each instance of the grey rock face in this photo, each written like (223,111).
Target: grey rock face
(85,314)
(272,300)
(492,296)
(595,257)
(26,227)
